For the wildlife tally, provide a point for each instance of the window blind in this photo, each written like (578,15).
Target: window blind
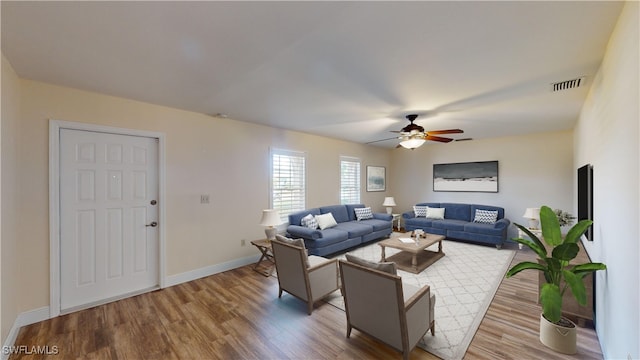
(288,182)
(349,180)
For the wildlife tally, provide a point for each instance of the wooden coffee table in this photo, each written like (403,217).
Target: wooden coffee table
(413,257)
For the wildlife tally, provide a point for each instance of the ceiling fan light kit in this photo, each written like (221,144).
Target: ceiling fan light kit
(413,135)
(412,143)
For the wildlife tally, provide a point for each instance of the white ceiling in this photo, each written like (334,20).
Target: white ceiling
(348,70)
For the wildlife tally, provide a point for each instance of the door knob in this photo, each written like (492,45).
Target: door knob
(153,224)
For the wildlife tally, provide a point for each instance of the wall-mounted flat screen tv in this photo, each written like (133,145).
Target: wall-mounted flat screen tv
(585,196)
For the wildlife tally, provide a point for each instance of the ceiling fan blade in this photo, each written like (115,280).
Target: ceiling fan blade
(449,131)
(371,142)
(438,138)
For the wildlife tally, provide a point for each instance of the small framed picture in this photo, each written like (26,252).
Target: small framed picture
(376,180)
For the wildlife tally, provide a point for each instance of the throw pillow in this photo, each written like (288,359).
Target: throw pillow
(326,221)
(363,213)
(420,211)
(435,213)
(295,242)
(388,267)
(310,222)
(486,216)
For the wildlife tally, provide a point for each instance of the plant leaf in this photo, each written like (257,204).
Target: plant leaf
(550,226)
(577,230)
(524,266)
(577,286)
(551,301)
(542,252)
(565,252)
(584,269)
(535,239)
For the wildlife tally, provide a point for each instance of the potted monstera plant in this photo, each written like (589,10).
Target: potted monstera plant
(556,331)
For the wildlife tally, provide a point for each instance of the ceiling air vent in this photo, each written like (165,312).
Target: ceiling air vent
(568,84)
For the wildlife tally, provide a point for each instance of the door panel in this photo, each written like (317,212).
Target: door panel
(107,182)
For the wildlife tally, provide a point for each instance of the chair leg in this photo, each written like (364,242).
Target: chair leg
(433,328)
(348,330)
(310,307)
(279,292)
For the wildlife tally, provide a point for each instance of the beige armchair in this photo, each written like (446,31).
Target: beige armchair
(379,304)
(309,278)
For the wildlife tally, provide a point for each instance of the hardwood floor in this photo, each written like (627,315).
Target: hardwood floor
(237,315)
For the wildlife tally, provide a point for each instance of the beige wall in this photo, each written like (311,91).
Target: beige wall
(607,137)
(533,170)
(9,238)
(227,159)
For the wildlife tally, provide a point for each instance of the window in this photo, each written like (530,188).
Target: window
(349,180)
(287,182)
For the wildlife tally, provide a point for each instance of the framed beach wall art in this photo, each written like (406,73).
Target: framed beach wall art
(470,176)
(376,180)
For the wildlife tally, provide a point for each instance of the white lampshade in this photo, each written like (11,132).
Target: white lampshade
(270,218)
(412,143)
(389,201)
(533,214)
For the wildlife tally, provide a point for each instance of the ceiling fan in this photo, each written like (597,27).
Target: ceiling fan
(413,136)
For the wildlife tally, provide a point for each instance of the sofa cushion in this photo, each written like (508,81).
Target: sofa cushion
(329,237)
(419,221)
(339,212)
(479,228)
(354,228)
(435,213)
(351,210)
(326,221)
(485,216)
(450,224)
(363,213)
(295,218)
(309,221)
(377,224)
(388,267)
(457,211)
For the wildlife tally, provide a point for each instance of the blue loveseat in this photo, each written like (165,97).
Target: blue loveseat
(348,233)
(458,223)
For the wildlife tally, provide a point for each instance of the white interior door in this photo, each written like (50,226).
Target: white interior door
(109,240)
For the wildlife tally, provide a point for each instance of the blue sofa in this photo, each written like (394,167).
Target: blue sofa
(348,233)
(458,223)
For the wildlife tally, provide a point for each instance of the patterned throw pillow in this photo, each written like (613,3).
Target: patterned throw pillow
(363,213)
(420,211)
(309,221)
(486,216)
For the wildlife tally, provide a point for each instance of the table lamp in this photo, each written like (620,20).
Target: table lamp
(270,218)
(389,202)
(533,214)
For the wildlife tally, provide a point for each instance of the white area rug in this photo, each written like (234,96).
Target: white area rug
(464,281)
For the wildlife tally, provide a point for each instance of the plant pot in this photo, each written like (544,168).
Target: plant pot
(559,337)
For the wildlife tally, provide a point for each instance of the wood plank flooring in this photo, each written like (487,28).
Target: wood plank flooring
(237,315)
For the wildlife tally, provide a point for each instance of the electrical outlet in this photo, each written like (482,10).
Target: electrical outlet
(243,242)
(204,199)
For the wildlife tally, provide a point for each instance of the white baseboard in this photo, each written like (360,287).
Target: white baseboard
(208,270)
(23,319)
(41,314)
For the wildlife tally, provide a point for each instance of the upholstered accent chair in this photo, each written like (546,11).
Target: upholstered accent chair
(309,278)
(377,303)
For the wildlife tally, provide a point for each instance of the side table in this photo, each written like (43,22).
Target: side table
(396,218)
(266,264)
(523,235)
